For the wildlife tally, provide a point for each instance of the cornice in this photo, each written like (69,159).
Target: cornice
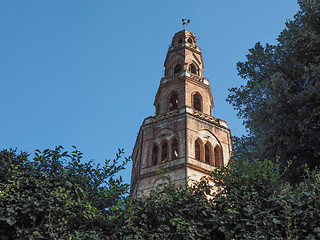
(183,112)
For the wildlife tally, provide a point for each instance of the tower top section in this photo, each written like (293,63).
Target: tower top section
(182,37)
(184,84)
(184,57)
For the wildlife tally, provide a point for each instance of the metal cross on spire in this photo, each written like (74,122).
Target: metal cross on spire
(185,22)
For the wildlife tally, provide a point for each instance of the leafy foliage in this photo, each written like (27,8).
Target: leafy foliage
(280,103)
(173,213)
(255,203)
(55,196)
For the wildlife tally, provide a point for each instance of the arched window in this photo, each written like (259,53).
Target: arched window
(217,157)
(173,105)
(190,40)
(177,69)
(180,41)
(192,69)
(197,102)
(175,153)
(164,155)
(197,147)
(207,153)
(154,158)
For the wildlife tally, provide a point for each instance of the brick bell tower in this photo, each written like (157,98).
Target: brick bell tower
(182,138)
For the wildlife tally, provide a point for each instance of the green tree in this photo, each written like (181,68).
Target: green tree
(252,202)
(246,202)
(173,213)
(56,196)
(280,102)
(256,203)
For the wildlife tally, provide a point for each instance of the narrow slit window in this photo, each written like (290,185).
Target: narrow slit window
(154,155)
(164,155)
(207,153)
(193,69)
(197,102)
(175,153)
(177,69)
(197,150)
(173,105)
(217,157)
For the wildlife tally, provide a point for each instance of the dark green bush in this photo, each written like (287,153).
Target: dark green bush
(55,196)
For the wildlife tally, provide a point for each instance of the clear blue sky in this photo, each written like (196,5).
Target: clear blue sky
(85,73)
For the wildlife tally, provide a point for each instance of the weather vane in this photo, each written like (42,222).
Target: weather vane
(185,22)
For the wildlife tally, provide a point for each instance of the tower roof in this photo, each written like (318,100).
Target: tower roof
(184,39)
(184,35)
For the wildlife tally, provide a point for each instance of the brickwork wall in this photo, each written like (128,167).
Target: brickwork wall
(165,91)
(193,87)
(208,132)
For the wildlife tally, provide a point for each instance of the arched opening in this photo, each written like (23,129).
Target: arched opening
(177,69)
(175,153)
(197,102)
(180,41)
(192,69)
(154,158)
(197,147)
(217,157)
(164,155)
(207,153)
(173,104)
(190,40)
